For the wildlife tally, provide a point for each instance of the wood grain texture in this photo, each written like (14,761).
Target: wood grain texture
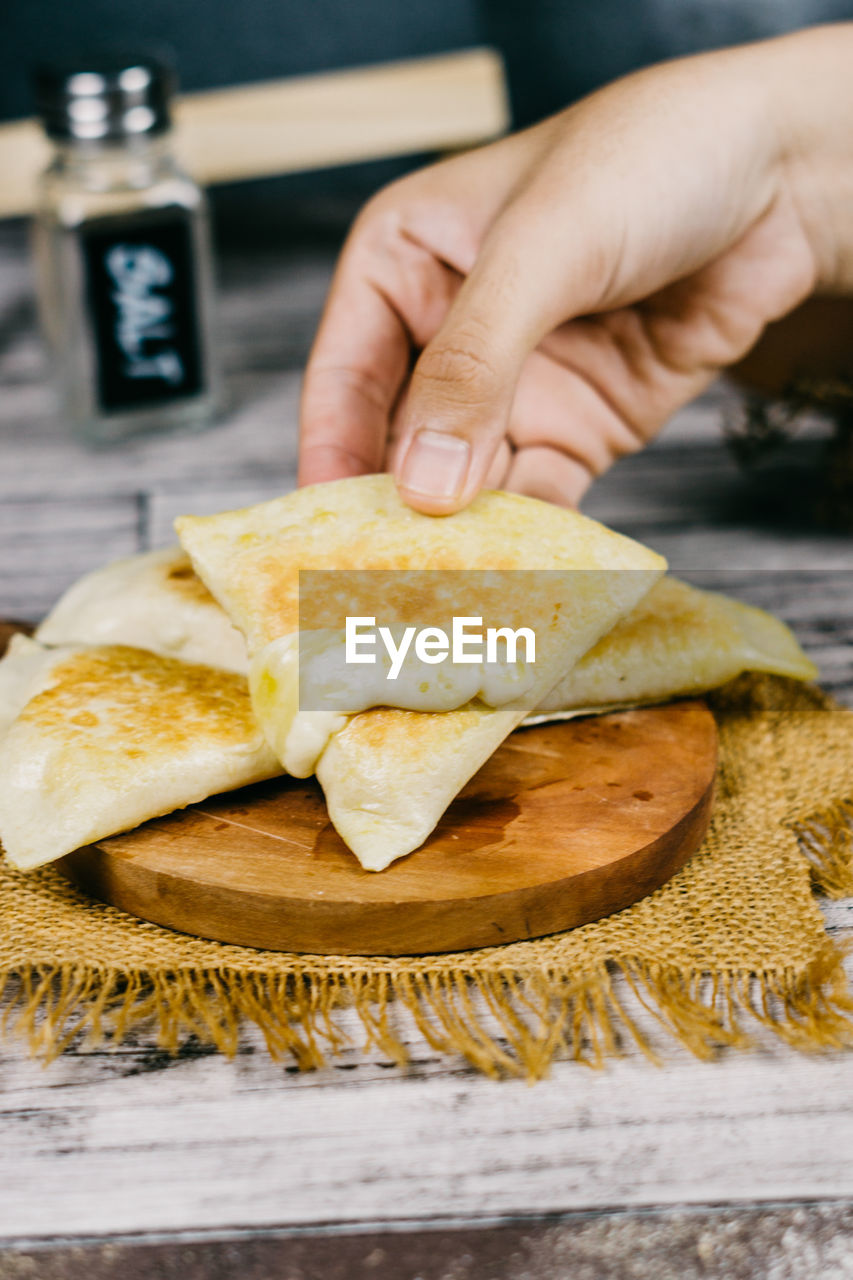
(563,825)
(782,1242)
(128,1142)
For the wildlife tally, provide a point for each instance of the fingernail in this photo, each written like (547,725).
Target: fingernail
(436,464)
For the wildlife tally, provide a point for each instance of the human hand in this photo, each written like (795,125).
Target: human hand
(523,315)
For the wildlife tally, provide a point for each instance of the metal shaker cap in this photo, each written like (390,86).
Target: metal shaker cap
(105,98)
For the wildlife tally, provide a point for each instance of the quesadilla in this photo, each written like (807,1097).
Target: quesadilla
(107,737)
(679,640)
(20,670)
(150,601)
(389,773)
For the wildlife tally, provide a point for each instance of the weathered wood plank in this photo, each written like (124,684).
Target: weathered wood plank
(39,461)
(785,1242)
(45,545)
(164,505)
(214,1145)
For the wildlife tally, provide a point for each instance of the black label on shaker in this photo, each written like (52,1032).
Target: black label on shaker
(141,290)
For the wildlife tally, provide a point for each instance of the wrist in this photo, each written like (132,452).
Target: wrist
(811,91)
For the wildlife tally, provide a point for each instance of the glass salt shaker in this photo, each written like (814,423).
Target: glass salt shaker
(122,253)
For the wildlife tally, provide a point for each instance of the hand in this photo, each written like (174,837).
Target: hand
(523,315)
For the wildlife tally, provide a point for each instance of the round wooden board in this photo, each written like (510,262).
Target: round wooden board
(565,824)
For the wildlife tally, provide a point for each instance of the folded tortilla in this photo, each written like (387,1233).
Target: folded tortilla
(389,774)
(678,641)
(21,668)
(105,738)
(149,601)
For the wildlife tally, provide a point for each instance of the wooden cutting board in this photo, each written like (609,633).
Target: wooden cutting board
(565,824)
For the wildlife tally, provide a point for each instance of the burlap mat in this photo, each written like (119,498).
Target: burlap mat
(735,936)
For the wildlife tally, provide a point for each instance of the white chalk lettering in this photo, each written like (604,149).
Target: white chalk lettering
(144,316)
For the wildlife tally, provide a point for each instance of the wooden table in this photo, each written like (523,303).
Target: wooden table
(133,1163)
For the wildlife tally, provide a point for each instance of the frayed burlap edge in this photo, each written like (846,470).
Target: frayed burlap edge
(826,838)
(503,1023)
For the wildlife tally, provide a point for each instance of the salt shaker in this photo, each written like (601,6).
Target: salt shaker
(122,253)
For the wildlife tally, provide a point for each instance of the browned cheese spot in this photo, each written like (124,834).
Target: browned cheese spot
(145,700)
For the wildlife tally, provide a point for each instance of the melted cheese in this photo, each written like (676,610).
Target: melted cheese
(314,691)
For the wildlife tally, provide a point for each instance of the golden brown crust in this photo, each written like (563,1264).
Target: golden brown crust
(251,558)
(389,774)
(142,698)
(182,579)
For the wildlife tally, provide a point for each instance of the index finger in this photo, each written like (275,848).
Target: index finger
(354,376)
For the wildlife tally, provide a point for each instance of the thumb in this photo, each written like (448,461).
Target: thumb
(462,388)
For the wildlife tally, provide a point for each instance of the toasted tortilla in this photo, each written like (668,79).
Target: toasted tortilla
(21,668)
(389,774)
(107,737)
(150,601)
(678,641)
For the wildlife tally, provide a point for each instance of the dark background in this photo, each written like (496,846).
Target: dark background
(555,51)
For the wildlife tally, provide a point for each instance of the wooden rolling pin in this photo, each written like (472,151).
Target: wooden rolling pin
(306,122)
